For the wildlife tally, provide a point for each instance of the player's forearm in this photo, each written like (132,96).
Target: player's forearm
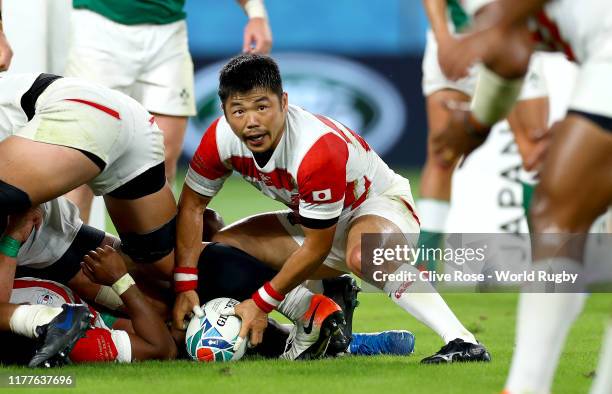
(155,339)
(299,267)
(190,225)
(437,14)
(7,274)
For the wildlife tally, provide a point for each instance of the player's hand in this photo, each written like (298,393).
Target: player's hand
(21,225)
(257,36)
(186,303)
(104,266)
(541,143)
(254,321)
(447,62)
(460,137)
(6,53)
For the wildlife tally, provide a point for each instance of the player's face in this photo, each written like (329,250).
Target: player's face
(257,117)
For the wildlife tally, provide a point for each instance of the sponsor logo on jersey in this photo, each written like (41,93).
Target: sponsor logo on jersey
(45,299)
(342,89)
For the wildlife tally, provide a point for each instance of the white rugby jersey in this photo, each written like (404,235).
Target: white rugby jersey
(12,88)
(47,243)
(580,29)
(34,291)
(320,168)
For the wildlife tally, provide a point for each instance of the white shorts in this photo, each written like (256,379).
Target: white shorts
(593,89)
(150,63)
(395,204)
(435,80)
(433,77)
(110,125)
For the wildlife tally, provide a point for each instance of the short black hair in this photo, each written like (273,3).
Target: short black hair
(246,72)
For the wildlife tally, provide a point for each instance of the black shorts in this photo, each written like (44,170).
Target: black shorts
(602,121)
(66,267)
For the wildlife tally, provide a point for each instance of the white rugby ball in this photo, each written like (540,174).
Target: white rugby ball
(212,336)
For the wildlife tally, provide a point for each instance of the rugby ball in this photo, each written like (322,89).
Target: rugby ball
(212,336)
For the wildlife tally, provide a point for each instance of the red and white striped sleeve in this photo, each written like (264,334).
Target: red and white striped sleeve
(321,182)
(207,172)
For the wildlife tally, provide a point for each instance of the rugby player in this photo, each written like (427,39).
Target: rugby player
(57,329)
(58,133)
(54,252)
(337,189)
(140,48)
(575,178)
(528,119)
(143,336)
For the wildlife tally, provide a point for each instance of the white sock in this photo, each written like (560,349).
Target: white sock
(603,379)
(423,302)
(296,303)
(558,266)
(26,318)
(543,321)
(314,285)
(433,214)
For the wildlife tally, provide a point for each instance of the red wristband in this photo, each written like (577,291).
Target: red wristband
(185,279)
(266,298)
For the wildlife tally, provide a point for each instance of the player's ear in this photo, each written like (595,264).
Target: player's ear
(285,101)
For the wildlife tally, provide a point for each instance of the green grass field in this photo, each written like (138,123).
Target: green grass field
(490,316)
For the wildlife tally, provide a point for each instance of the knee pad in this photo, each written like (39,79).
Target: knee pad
(12,199)
(225,271)
(150,247)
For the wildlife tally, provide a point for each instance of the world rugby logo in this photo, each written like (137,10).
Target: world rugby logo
(336,87)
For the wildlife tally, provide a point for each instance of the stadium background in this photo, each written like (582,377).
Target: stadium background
(358,61)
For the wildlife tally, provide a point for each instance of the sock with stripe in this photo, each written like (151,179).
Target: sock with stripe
(422,301)
(433,214)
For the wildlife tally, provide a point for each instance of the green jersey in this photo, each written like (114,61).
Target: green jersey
(136,12)
(457,14)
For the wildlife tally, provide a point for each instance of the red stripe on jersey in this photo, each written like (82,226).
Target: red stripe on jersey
(280,178)
(206,160)
(414,215)
(363,196)
(553,29)
(323,169)
(101,107)
(350,196)
(24,284)
(333,126)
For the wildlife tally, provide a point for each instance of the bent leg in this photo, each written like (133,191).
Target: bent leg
(261,236)
(134,220)
(575,188)
(434,203)
(417,297)
(43,171)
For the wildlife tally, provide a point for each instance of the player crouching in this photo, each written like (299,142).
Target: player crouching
(337,189)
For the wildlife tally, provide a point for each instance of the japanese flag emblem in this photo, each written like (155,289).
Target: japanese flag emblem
(321,195)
